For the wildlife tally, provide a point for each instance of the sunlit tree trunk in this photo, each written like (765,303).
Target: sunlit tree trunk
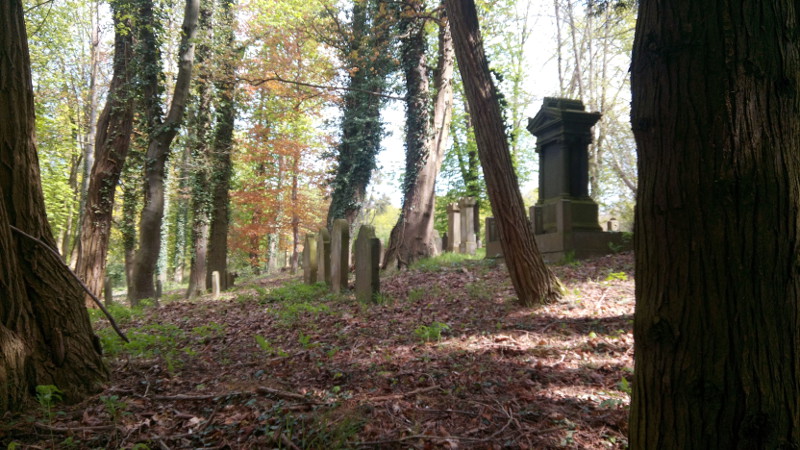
(111,149)
(717,230)
(412,237)
(533,281)
(45,334)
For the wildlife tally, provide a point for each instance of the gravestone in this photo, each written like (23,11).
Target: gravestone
(324,256)
(612,224)
(368,253)
(445,240)
(215,284)
(565,219)
(493,247)
(310,259)
(340,255)
(468,238)
(453,227)
(437,243)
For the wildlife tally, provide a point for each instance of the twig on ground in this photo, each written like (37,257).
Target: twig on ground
(404,394)
(263,390)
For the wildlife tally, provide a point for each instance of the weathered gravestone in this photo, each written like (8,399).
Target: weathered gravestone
(565,219)
(215,284)
(310,259)
(324,256)
(453,227)
(468,238)
(368,253)
(493,247)
(437,243)
(340,255)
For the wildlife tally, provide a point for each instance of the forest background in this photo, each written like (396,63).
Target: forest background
(285,67)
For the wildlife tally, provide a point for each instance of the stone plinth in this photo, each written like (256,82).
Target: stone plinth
(324,256)
(468,238)
(453,227)
(368,254)
(340,255)
(565,220)
(310,259)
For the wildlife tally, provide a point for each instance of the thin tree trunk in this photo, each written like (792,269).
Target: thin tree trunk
(45,331)
(113,141)
(412,237)
(295,217)
(161,136)
(717,229)
(533,281)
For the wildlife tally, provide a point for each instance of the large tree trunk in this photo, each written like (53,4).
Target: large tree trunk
(113,140)
(412,237)
(533,281)
(717,235)
(45,334)
(221,157)
(161,135)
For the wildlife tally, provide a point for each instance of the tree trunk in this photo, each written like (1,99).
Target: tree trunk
(161,135)
(533,281)
(295,218)
(45,332)
(412,237)
(113,140)
(221,157)
(717,238)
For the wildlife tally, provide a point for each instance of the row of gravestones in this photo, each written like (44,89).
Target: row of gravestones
(326,259)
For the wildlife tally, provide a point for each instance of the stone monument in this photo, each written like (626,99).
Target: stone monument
(340,255)
(565,219)
(493,247)
(368,254)
(453,227)
(468,238)
(324,256)
(310,259)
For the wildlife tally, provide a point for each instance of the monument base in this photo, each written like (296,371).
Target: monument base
(559,247)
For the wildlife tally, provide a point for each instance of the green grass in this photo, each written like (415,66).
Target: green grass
(446,260)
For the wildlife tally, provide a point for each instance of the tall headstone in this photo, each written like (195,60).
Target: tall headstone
(368,253)
(310,259)
(437,242)
(565,219)
(324,256)
(340,255)
(453,227)
(468,238)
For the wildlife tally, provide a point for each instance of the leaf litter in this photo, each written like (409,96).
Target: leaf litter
(448,359)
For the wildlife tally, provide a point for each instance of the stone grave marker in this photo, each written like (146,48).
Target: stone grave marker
(215,283)
(324,256)
(453,227)
(310,259)
(493,247)
(340,255)
(468,239)
(368,253)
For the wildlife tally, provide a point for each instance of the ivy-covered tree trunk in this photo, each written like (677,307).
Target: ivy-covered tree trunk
(717,235)
(412,237)
(198,127)
(45,334)
(533,281)
(221,156)
(367,53)
(162,132)
(113,138)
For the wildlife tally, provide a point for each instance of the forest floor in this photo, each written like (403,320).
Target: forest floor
(448,359)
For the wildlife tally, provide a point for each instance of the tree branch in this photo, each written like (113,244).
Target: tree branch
(278,78)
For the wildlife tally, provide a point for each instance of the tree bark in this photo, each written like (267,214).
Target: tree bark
(113,138)
(221,156)
(717,232)
(161,135)
(412,237)
(45,334)
(533,281)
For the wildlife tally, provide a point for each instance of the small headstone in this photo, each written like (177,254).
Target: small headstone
(612,224)
(215,283)
(108,291)
(468,238)
(310,259)
(437,243)
(324,256)
(340,255)
(453,227)
(445,242)
(368,253)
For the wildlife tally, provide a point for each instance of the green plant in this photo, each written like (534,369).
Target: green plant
(114,406)
(479,290)
(267,347)
(621,276)
(415,294)
(205,332)
(48,395)
(432,332)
